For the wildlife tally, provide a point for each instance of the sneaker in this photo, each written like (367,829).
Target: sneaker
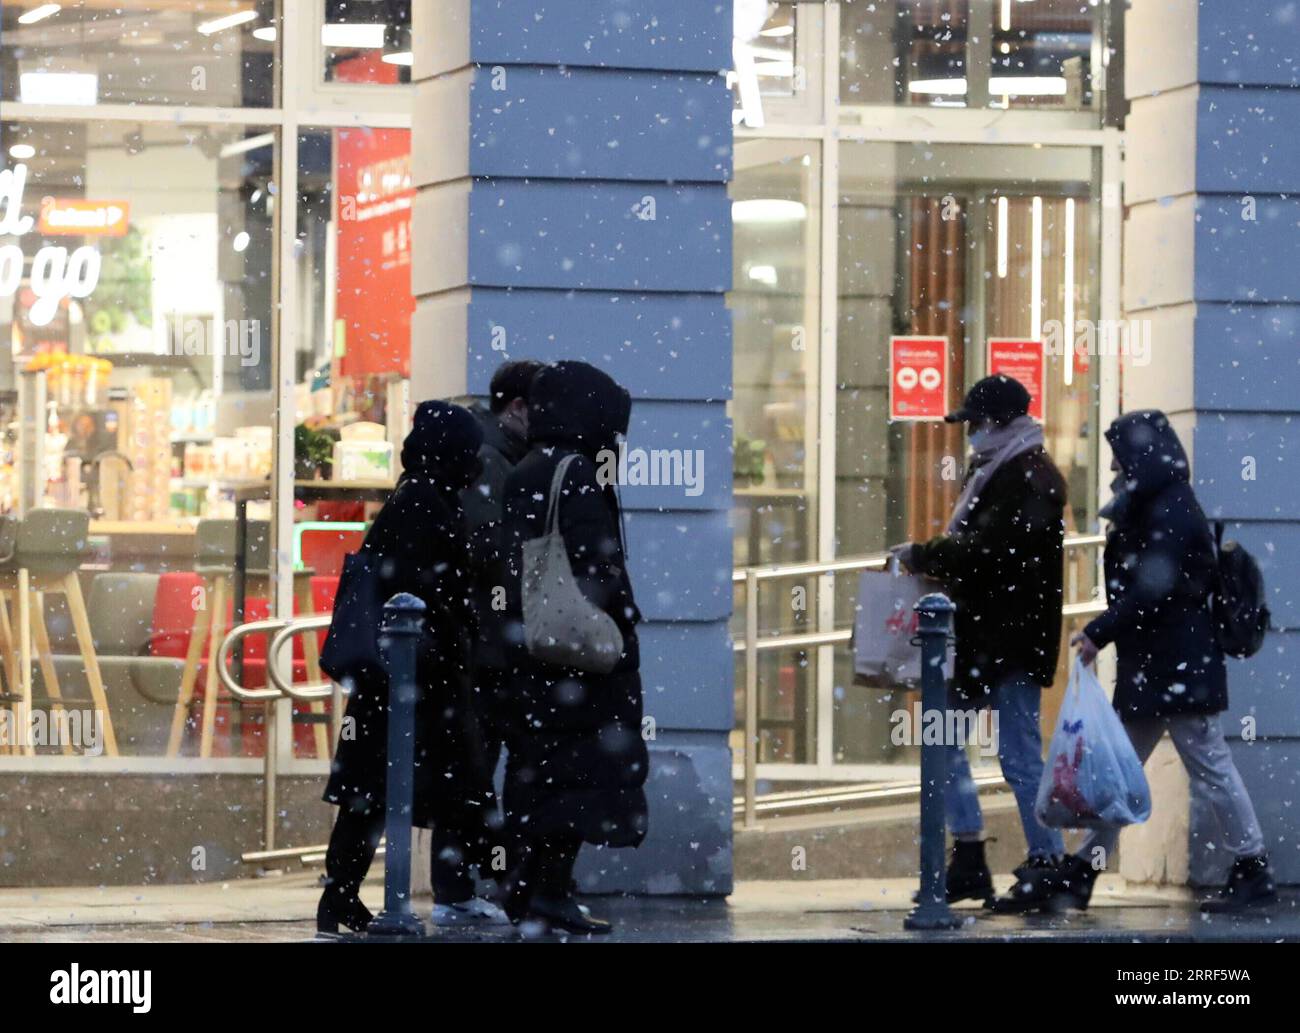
(475,911)
(1077,879)
(1250,884)
(1038,882)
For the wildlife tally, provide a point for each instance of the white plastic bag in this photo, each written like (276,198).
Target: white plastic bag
(884,627)
(1092,777)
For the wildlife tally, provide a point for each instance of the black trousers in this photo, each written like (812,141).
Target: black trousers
(352,847)
(453,857)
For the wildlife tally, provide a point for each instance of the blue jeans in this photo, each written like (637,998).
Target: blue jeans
(1016,701)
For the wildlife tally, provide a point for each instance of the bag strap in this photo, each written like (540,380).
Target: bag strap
(553,503)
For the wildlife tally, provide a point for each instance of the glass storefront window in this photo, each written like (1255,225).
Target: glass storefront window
(776,312)
(137,300)
(991,250)
(366,41)
(973,53)
(353,368)
(210,53)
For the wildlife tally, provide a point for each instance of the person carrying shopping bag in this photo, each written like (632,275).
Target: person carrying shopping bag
(1001,561)
(1161,571)
(577,761)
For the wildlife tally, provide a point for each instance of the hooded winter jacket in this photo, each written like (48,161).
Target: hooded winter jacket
(418,545)
(1160,571)
(577,757)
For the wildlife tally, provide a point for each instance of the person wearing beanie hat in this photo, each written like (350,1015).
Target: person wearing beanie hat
(416,544)
(1001,562)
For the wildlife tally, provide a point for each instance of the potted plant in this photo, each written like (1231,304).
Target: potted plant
(313,453)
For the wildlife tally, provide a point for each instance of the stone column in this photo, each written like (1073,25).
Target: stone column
(1212,262)
(571,161)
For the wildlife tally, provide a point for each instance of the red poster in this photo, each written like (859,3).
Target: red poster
(918,378)
(372,210)
(1021,359)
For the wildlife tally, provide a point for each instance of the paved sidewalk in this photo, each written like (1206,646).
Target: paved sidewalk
(282,908)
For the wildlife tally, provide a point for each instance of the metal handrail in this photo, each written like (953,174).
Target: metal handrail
(237,634)
(752,644)
(309,692)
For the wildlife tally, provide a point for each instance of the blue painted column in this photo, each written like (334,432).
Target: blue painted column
(571,159)
(1212,261)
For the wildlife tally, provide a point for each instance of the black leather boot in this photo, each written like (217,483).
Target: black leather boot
(1038,882)
(1077,878)
(968,876)
(344,909)
(1250,884)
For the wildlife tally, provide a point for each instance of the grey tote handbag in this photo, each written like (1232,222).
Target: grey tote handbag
(561,625)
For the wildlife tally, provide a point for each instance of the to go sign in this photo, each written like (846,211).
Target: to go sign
(56,273)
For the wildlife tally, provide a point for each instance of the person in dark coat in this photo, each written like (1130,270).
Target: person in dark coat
(418,544)
(577,761)
(1161,570)
(1001,562)
(504,422)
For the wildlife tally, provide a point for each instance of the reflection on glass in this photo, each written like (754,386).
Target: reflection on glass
(966,243)
(949,53)
(141,333)
(764,57)
(367,41)
(210,52)
(776,315)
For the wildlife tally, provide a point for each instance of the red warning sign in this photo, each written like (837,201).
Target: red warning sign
(1021,359)
(918,378)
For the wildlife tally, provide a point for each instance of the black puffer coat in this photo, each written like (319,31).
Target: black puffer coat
(419,538)
(1160,571)
(577,759)
(1005,575)
(500,452)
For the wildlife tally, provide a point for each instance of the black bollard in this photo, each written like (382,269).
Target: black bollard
(932,911)
(399,636)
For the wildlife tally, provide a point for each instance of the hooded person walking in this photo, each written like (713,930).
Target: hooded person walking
(1001,560)
(417,544)
(1160,571)
(577,761)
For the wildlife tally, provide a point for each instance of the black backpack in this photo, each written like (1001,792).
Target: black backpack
(1240,614)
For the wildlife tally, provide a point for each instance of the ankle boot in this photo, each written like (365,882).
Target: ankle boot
(1250,884)
(1077,878)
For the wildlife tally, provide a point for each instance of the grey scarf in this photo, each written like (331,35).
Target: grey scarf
(1002,445)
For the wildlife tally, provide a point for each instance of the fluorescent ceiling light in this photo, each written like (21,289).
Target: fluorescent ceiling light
(763,274)
(37,14)
(265,32)
(229,21)
(58,87)
(768,209)
(249,143)
(403,57)
(777,31)
(1000,85)
(22,151)
(775,69)
(354,35)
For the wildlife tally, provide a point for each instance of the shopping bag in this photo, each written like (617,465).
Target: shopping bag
(352,642)
(884,627)
(1092,777)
